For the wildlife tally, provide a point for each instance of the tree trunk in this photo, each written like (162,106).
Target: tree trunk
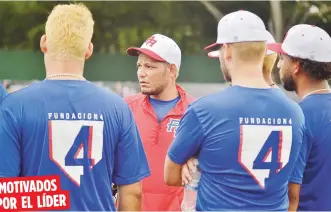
(216,13)
(277,17)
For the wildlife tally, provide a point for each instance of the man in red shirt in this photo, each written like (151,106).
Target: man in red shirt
(157,111)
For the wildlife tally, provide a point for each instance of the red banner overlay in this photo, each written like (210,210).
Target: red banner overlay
(32,194)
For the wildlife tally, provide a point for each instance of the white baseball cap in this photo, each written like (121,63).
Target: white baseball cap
(160,48)
(306,42)
(271,39)
(236,27)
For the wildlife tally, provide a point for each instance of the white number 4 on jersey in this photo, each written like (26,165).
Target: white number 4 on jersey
(264,150)
(75,146)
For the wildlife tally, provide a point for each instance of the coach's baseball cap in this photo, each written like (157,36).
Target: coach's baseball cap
(160,48)
(306,42)
(236,27)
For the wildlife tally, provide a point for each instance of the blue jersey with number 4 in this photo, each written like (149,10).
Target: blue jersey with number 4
(74,129)
(247,141)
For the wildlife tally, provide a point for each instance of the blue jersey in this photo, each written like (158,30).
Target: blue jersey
(76,130)
(162,108)
(3,93)
(247,141)
(315,192)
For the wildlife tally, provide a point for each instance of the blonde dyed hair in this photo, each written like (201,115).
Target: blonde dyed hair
(269,63)
(69,29)
(249,51)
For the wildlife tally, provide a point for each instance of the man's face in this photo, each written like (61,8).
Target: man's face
(153,76)
(287,67)
(224,68)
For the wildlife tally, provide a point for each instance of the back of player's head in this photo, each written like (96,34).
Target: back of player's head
(269,63)
(245,32)
(69,29)
(270,58)
(249,51)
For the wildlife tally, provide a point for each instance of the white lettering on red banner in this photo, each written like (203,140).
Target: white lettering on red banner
(33,193)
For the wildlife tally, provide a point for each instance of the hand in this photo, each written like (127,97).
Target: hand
(187,169)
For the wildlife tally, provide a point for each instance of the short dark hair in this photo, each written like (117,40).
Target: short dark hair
(316,70)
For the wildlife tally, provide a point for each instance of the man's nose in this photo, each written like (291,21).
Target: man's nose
(141,73)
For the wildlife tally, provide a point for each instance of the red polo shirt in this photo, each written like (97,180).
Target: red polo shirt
(156,138)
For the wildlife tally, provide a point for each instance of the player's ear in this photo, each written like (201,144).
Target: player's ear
(296,67)
(89,51)
(173,70)
(43,46)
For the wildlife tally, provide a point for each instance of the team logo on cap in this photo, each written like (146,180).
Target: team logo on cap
(150,41)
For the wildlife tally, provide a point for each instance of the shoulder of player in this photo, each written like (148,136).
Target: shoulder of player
(282,99)
(130,100)
(294,105)
(208,99)
(106,95)
(294,108)
(312,107)
(13,98)
(310,102)
(206,104)
(306,106)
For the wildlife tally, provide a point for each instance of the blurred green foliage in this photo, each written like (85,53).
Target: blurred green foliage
(126,23)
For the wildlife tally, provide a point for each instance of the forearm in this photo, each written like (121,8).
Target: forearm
(175,181)
(129,202)
(293,196)
(293,204)
(129,197)
(172,173)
